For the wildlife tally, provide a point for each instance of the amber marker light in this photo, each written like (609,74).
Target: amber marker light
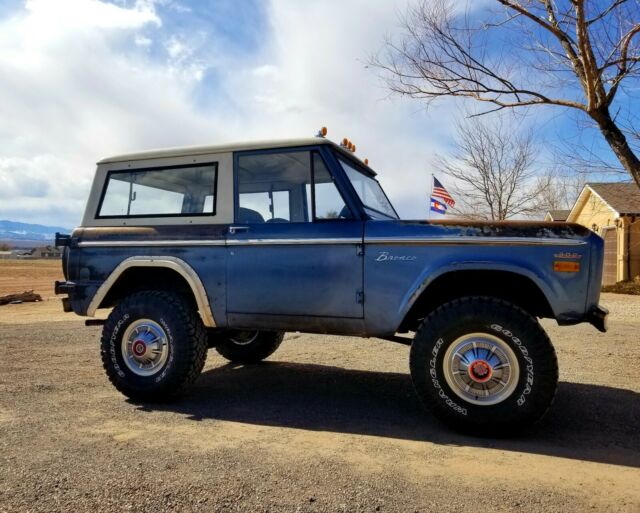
(561,266)
(345,142)
(366,162)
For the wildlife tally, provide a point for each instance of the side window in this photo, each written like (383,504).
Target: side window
(271,187)
(171,191)
(276,188)
(329,202)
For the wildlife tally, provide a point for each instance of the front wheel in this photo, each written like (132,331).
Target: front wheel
(484,366)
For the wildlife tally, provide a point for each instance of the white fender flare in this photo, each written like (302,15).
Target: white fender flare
(175,264)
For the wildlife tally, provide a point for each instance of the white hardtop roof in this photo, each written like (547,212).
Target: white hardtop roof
(223,148)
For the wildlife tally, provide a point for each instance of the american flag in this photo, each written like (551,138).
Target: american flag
(440,192)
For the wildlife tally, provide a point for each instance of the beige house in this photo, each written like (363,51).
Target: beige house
(613,211)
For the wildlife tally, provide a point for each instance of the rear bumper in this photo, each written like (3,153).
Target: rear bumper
(64,287)
(597,317)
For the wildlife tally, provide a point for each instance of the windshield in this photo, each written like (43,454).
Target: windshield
(369,191)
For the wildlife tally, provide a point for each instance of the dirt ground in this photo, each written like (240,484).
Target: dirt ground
(326,424)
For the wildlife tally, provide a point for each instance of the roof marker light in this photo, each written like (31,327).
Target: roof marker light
(322,132)
(366,162)
(348,145)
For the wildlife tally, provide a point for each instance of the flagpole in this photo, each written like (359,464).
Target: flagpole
(429,197)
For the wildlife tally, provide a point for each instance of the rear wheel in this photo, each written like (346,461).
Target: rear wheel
(246,346)
(484,366)
(153,345)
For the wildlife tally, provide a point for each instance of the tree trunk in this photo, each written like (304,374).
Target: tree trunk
(23,297)
(618,143)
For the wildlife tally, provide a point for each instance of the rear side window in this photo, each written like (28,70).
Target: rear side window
(160,192)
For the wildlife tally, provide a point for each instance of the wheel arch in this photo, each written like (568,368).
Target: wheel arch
(510,285)
(134,271)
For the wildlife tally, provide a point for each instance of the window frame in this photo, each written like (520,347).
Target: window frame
(335,184)
(311,150)
(358,167)
(214,164)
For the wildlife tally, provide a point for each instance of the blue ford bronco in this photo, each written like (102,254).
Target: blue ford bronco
(229,247)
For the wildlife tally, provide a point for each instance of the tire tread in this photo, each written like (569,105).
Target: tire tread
(530,330)
(264,346)
(196,353)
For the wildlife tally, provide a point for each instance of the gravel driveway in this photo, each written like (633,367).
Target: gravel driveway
(327,424)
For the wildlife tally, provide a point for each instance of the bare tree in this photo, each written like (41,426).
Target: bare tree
(492,171)
(575,54)
(559,189)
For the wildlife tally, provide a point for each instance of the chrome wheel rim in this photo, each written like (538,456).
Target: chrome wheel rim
(145,347)
(481,369)
(243,338)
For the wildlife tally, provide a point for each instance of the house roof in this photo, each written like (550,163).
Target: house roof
(559,215)
(624,198)
(620,198)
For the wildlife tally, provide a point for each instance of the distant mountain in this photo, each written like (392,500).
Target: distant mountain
(14,231)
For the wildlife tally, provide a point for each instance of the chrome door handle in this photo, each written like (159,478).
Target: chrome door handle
(237,229)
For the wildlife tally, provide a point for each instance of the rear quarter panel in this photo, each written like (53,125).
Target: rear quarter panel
(95,256)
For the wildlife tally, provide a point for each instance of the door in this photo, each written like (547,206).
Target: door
(610,270)
(295,247)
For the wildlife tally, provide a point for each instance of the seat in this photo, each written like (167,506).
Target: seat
(248,216)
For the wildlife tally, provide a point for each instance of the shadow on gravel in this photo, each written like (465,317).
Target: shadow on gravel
(586,422)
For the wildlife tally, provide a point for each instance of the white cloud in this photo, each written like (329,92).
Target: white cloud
(63,15)
(79,81)
(71,97)
(143,40)
(314,73)
(24,177)
(176,48)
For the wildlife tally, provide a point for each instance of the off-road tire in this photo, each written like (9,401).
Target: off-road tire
(187,345)
(263,346)
(538,366)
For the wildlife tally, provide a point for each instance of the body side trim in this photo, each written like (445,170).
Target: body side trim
(437,241)
(219,242)
(150,243)
(175,264)
(479,241)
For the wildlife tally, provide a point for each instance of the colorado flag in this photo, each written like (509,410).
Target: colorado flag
(438,206)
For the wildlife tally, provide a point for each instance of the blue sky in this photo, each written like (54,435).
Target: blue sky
(84,79)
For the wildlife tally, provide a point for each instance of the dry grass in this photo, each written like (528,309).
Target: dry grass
(37,275)
(624,287)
